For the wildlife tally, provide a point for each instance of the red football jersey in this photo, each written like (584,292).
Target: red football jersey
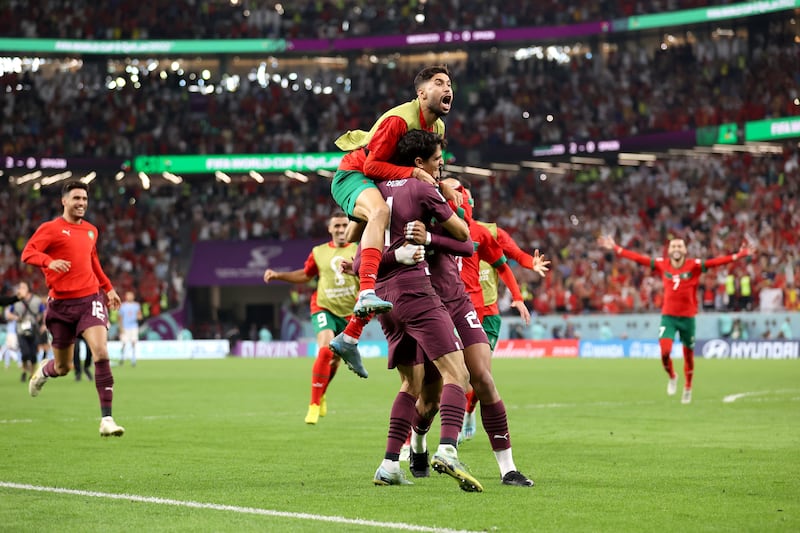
(76,243)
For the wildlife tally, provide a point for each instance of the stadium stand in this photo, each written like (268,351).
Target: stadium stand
(299,19)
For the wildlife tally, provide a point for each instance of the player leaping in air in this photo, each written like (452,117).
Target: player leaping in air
(370,153)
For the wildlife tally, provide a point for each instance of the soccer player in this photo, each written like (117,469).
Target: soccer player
(65,248)
(488,276)
(369,159)
(491,313)
(681,277)
(477,355)
(331,304)
(420,319)
(130,313)
(487,250)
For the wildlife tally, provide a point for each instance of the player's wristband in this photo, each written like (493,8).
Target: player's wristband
(427,238)
(460,212)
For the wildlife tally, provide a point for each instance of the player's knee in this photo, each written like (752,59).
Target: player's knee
(461,376)
(483,384)
(100,353)
(380,214)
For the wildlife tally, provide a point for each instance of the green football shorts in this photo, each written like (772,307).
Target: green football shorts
(684,325)
(347,186)
(491,325)
(323,320)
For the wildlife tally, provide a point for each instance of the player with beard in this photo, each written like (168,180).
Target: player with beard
(681,278)
(353,188)
(65,249)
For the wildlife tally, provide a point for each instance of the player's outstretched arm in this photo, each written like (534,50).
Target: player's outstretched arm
(745,250)
(293,276)
(541,265)
(536,262)
(607,242)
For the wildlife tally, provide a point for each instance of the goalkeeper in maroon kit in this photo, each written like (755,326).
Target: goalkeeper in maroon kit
(681,277)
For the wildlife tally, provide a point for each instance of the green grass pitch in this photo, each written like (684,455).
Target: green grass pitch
(221,446)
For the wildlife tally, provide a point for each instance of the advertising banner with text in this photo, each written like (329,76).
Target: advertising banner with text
(194,349)
(527,348)
(635,349)
(730,349)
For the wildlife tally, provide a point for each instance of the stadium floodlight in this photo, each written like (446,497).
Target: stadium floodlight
(536,164)
(256,176)
(22,180)
(588,160)
(221,176)
(88,178)
(477,171)
(296,176)
(119,176)
(504,166)
(325,173)
(172,178)
(55,178)
(145,179)
(637,157)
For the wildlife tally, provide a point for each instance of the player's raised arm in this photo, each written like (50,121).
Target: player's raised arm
(292,276)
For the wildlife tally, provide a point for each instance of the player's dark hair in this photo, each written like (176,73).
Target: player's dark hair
(417,143)
(337,214)
(427,73)
(72,185)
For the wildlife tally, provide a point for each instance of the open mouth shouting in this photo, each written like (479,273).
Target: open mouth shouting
(445,102)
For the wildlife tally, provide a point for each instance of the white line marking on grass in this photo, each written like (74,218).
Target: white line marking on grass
(233,508)
(17,421)
(730,398)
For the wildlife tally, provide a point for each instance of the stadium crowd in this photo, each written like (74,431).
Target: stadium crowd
(500,105)
(300,19)
(714,202)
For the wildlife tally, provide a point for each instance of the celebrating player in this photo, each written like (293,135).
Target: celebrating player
(681,277)
(369,159)
(65,249)
(331,304)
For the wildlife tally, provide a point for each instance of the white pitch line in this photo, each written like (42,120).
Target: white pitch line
(233,508)
(730,398)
